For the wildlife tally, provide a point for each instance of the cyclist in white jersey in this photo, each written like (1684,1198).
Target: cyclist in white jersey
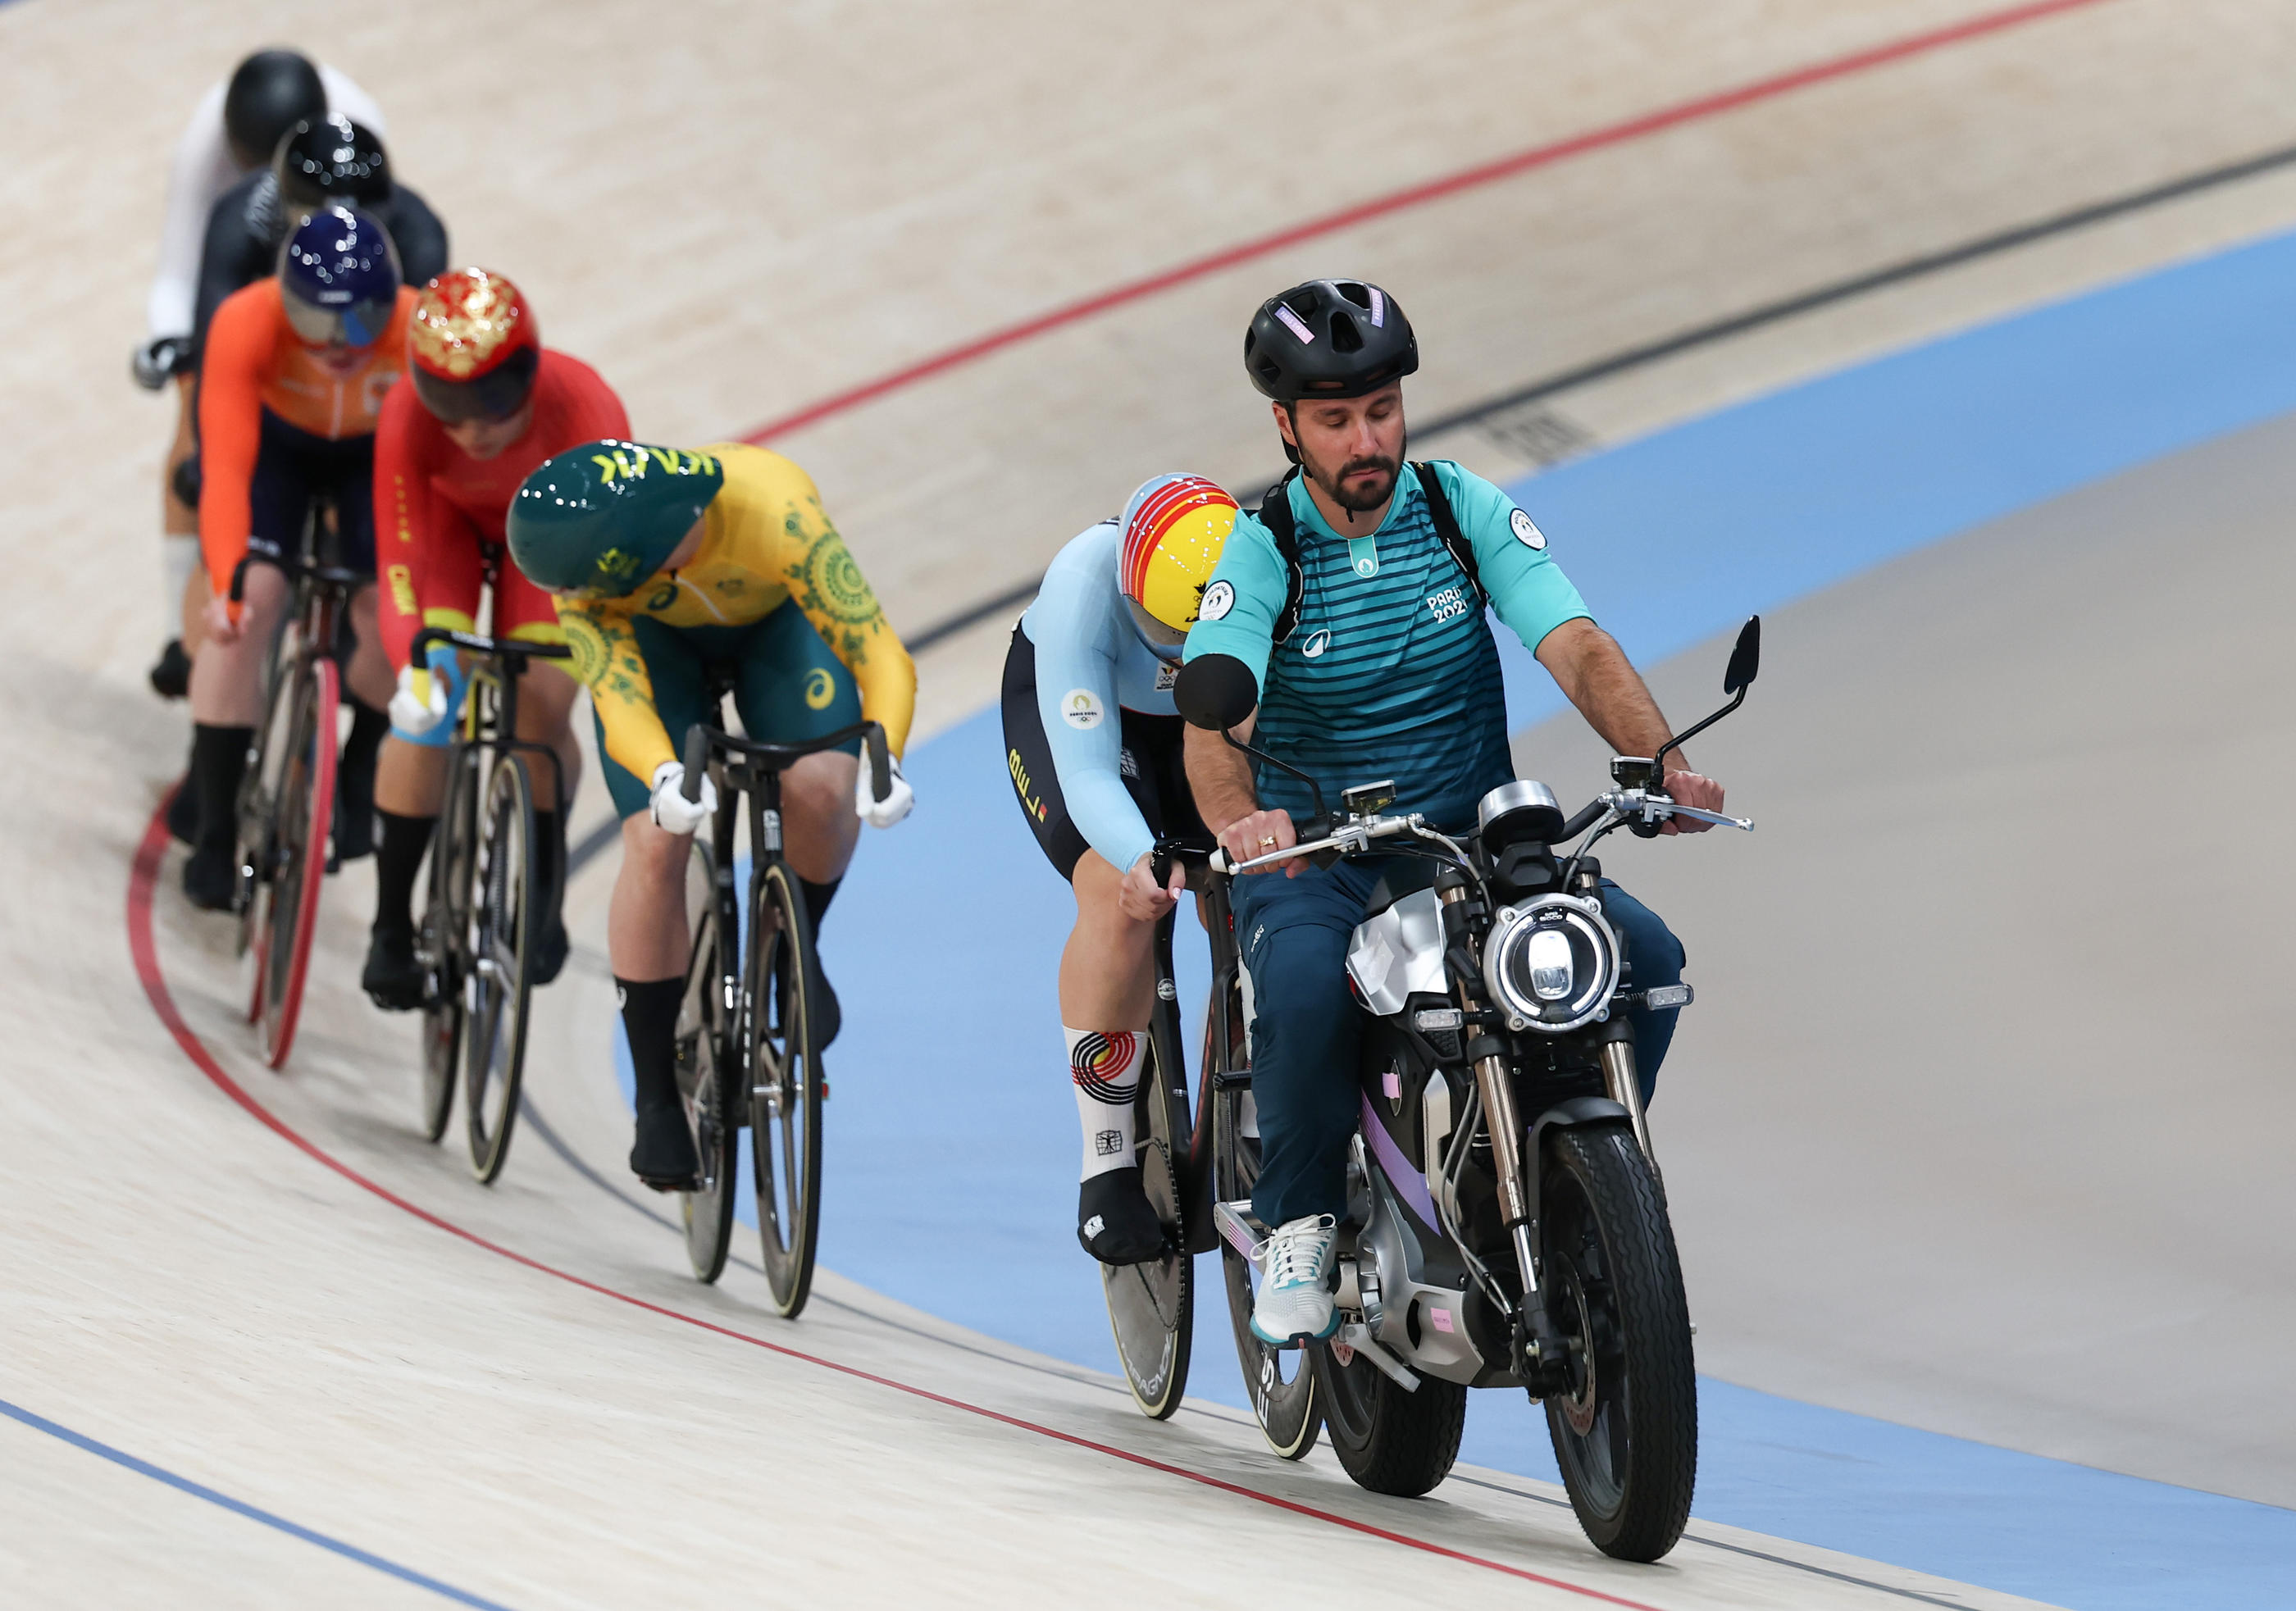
(234,130)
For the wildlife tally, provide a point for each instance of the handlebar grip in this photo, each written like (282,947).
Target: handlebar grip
(1644,830)
(697,757)
(1159,866)
(238,580)
(881,768)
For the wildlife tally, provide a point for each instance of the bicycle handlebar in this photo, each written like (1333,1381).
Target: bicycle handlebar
(702,739)
(508,649)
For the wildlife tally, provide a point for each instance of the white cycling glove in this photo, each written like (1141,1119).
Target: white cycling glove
(673,812)
(893,807)
(420,704)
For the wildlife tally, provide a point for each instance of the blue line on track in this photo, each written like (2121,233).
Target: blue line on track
(117,1457)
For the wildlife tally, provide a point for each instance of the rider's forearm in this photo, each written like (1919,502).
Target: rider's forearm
(1221,776)
(1596,675)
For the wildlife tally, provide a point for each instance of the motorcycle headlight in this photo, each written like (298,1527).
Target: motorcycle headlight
(1550,963)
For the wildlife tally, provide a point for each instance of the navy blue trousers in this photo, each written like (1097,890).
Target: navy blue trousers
(1307,1028)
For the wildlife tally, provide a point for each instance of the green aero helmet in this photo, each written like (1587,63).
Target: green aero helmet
(596,520)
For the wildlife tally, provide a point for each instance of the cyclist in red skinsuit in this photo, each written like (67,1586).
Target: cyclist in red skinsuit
(485,405)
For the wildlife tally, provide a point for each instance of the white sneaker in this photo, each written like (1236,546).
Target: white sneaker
(1295,1290)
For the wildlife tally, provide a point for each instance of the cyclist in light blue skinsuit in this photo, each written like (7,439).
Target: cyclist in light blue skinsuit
(1094,746)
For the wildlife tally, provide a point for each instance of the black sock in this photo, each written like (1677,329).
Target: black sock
(817,897)
(549,864)
(355,780)
(650,1019)
(218,762)
(398,863)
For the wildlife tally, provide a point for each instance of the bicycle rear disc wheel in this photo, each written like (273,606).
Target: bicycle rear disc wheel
(708,1077)
(1281,1381)
(442,942)
(780,1001)
(1152,1305)
(505,929)
(305,808)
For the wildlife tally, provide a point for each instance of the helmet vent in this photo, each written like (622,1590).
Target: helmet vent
(1345,336)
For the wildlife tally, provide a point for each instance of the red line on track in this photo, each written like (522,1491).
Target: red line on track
(143,946)
(1416,195)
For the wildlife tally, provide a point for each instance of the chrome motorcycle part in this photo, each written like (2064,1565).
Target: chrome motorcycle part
(1354,1334)
(1434,1123)
(1627,1090)
(1400,953)
(1552,963)
(1518,811)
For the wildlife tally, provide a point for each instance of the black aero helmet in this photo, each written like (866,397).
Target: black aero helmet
(269,94)
(1328,339)
(331,161)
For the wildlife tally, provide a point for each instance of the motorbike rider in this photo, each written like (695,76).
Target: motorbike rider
(485,403)
(234,131)
(1094,746)
(1356,597)
(667,564)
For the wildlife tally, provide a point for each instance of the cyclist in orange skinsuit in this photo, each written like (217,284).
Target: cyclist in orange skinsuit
(484,404)
(294,376)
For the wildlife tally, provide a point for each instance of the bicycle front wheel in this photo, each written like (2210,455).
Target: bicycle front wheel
(708,1077)
(780,1009)
(1151,1306)
(294,862)
(442,944)
(504,927)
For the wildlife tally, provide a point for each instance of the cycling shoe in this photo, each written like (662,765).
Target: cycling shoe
(171,673)
(392,978)
(664,1157)
(549,954)
(211,878)
(1114,1222)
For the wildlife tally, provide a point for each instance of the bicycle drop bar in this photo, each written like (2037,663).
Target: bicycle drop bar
(702,740)
(471,642)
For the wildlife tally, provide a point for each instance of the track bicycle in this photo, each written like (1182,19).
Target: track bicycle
(747,1025)
(287,797)
(482,923)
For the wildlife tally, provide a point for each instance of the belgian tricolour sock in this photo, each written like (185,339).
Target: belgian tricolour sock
(1106,1067)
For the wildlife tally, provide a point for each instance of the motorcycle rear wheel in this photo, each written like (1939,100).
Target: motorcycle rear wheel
(1625,1433)
(1390,1439)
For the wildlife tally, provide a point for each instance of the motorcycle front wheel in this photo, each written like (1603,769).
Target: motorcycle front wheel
(1625,1430)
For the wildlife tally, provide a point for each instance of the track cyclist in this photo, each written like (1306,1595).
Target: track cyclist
(1356,599)
(485,403)
(234,132)
(671,567)
(1093,745)
(292,386)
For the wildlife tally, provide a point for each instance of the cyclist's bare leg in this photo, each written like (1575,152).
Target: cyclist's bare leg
(646,934)
(818,825)
(1107,969)
(369,675)
(545,715)
(227,677)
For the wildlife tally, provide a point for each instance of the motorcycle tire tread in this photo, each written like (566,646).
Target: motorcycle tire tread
(1414,1438)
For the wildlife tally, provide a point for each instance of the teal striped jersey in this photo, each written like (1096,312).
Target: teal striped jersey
(1392,671)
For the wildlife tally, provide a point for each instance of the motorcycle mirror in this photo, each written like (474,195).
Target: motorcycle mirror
(1746,658)
(1215,691)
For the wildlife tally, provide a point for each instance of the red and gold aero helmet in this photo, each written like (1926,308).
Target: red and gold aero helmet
(473,347)
(1174,529)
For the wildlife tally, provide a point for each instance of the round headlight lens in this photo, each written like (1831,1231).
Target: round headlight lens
(1552,963)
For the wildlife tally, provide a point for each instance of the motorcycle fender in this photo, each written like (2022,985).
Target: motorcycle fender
(1563,1115)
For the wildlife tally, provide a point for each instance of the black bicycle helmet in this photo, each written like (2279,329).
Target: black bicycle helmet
(331,161)
(1328,339)
(269,92)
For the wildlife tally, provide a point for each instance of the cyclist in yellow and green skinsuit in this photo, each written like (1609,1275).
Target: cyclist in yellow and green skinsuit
(667,563)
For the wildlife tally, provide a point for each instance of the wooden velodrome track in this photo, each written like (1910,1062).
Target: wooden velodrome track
(737,214)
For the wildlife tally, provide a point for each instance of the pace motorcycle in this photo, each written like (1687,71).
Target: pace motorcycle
(1507,1222)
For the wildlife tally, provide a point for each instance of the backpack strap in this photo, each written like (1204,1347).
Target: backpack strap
(1447,526)
(1275,512)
